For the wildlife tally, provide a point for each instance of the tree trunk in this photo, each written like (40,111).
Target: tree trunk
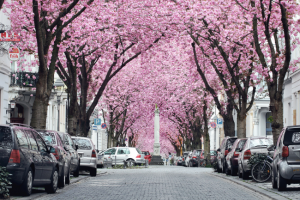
(39,110)
(241,125)
(206,145)
(277,115)
(229,126)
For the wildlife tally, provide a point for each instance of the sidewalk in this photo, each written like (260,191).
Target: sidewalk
(39,192)
(292,191)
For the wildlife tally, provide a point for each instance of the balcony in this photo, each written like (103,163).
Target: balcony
(24,79)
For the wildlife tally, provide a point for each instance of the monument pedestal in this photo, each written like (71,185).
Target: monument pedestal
(156,160)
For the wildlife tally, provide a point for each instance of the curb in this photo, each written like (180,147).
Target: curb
(254,188)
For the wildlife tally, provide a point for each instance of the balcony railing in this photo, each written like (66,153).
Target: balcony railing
(24,79)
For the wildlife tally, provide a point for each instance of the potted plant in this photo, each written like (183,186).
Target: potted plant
(4,182)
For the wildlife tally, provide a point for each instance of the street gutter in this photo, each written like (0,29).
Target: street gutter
(254,188)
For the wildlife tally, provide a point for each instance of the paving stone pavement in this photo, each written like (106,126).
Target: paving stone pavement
(156,182)
(292,192)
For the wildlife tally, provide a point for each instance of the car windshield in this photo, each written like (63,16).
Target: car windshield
(83,144)
(49,137)
(260,142)
(5,137)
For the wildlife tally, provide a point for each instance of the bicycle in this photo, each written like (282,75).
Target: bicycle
(262,171)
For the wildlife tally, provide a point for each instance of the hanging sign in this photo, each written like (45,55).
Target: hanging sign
(14,53)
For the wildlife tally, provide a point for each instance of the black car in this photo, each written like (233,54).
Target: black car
(27,157)
(226,144)
(71,148)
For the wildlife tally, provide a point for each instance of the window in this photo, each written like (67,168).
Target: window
(5,137)
(110,151)
(138,150)
(48,137)
(32,142)
(22,139)
(42,145)
(83,144)
(261,142)
(121,151)
(241,144)
(128,151)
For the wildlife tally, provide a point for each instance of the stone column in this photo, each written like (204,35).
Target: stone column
(156,132)
(156,158)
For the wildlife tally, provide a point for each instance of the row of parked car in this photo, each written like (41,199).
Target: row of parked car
(44,158)
(195,158)
(234,154)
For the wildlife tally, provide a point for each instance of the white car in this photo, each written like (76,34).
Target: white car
(187,159)
(87,153)
(121,154)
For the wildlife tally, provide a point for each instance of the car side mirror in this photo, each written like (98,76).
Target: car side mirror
(218,149)
(76,147)
(51,149)
(271,147)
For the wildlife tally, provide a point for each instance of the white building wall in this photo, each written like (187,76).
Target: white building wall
(4,74)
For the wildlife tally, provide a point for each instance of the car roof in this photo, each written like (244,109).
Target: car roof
(81,137)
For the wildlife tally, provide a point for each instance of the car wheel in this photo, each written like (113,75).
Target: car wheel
(239,172)
(93,172)
(281,182)
(274,182)
(67,180)
(26,186)
(62,178)
(223,168)
(227,171)
(54,182)
(245,175)
(76,173)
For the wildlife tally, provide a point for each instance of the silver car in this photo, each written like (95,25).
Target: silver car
(87,153)
(253,145)
(121,154)
(286,163)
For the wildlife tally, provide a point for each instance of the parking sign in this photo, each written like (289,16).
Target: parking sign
(97,122)
(220,122)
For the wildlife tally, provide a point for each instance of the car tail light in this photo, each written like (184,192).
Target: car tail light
(285,151)
(226,152)
(235,154)
(56,154)
(247,154)
(138,156)
(94,154)
(15,156)
(194,157)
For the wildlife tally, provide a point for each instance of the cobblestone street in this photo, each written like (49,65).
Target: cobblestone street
(165,182)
